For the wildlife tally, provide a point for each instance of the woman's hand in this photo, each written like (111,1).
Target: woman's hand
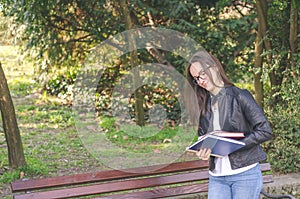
(204,153)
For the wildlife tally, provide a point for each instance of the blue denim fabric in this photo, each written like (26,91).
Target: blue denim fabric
(245,185)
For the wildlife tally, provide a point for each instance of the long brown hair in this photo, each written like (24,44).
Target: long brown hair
(206,60)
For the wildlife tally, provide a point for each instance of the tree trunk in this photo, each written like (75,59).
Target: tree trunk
(12,134)
(262,12)
(139,110)
(258,84)
(293,37)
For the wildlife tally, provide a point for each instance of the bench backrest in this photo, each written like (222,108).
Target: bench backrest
(153,181)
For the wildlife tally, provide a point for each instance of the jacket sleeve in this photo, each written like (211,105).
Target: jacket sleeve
(260,130)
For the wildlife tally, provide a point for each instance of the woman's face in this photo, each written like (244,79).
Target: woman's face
(200,76)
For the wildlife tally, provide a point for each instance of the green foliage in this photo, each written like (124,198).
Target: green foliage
(10,32)
(21,87)
(283,151)
(61,84)
(61,28)
(107,123)
(61,31)
(3,29)
(154,96)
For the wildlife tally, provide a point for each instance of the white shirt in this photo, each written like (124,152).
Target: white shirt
(222,165)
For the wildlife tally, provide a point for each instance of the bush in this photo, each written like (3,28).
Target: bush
(283,150)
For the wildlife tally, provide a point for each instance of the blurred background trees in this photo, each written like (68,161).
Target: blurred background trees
(259,38)
(256,41)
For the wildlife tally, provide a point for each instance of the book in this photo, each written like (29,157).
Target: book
(226,134)
(220,146)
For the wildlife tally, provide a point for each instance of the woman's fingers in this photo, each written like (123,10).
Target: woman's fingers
(204,153)
(207,154)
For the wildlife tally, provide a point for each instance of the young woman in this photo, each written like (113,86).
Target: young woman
(223,106)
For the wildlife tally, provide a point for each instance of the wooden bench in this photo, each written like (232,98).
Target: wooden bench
(176,179)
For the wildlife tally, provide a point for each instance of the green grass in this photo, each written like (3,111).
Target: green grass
(144,139)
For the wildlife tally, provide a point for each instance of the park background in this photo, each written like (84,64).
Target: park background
(44,45)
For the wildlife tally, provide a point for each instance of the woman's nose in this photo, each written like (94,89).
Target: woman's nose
(201,81)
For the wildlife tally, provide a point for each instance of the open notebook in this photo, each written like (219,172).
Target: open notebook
(220,146)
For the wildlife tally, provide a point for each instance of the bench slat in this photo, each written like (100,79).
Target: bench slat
(268,178)
(106,175)
(174,191)
(130,184)
(117,186)
(159,193)
(265,167)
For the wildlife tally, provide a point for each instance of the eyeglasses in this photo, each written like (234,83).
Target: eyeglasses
(201,75)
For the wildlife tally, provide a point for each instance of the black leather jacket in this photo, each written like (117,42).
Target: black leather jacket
(242,115)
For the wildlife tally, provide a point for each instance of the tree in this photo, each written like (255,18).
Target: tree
(139,110)
(293,37)
(261,7)
(11,130)
(63,32)
(276,45)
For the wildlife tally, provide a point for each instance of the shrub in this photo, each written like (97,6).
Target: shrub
(283,150)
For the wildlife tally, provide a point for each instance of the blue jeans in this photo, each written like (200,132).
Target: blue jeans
(245,185)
